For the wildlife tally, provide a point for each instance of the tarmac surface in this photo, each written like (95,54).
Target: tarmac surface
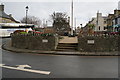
(60,66)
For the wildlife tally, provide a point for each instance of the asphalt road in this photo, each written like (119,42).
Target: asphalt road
(60,66)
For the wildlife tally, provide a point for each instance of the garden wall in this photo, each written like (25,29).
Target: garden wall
(34,41)
(104,43)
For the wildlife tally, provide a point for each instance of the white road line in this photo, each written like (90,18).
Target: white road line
(28,70)
(23,66)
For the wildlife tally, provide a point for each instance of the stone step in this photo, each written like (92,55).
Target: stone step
(66,47)
(68,43)
(65,50)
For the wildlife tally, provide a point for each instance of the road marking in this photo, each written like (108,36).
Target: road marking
(23,66)
(28,70)
(1,65)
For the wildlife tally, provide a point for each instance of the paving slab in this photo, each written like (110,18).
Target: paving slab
(67,39)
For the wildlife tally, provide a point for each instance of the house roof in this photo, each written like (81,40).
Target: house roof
(4,15)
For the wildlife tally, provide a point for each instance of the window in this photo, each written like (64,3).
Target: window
(97,22)
(104,27)
(99,27)
(104,22)
(115,20)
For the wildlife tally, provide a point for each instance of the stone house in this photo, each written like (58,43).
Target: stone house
(100,23)
(5,18)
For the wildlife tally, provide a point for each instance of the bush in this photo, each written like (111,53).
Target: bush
(47,34)
(23,32)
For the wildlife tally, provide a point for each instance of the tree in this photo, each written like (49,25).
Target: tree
(91,28)
(32,20)
(60,22)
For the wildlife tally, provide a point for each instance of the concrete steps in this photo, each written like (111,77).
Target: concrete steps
(67,47)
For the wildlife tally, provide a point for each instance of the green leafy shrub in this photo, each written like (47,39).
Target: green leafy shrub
(23,32)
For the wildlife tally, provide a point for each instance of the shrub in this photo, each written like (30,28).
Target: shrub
(23,32)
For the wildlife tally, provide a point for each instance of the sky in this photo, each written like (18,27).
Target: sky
(83,10)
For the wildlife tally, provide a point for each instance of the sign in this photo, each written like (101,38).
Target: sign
(45,40)
(90,41)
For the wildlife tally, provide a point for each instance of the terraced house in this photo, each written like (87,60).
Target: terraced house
(113,21)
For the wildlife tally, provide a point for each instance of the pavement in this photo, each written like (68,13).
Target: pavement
(7,46)
(67,39)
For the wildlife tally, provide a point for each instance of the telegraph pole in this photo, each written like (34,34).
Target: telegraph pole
(72,18)
(75,23)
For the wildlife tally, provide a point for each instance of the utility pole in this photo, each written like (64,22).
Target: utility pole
(75,24)
(72,18)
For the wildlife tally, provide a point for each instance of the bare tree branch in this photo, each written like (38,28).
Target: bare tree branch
(32,20)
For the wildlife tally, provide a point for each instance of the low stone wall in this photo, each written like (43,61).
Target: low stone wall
(34,41)
(104,43)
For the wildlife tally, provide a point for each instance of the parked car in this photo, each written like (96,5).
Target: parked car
(114,33)
(38,32)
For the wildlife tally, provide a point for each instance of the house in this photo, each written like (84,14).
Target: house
(110,22)
(100,23)
(116,21)
(5,18)
(113,21)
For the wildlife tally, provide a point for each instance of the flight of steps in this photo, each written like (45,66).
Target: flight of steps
(67,47)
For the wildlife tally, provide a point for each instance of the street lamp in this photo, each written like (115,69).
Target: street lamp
(26,13)
(81,25)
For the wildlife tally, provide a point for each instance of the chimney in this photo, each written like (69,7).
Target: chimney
(99,14)
(1,7)
(115,11)
(10,15)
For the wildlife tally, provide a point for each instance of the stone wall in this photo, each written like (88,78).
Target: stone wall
(34,41)
(99,43)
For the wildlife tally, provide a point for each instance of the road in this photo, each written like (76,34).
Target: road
(60,66)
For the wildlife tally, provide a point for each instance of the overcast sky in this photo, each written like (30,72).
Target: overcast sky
(83,10)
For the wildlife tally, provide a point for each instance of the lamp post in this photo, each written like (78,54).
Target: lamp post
(81,25)
(26,13)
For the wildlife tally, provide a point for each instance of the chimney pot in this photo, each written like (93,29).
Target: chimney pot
(1,7)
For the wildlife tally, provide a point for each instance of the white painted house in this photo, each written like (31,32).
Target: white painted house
(100,22)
